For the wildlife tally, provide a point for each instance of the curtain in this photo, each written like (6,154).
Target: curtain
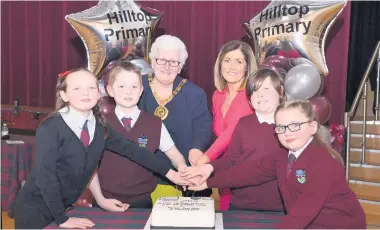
(37,44)
(364,35)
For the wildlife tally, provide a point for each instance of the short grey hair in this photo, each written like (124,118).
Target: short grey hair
(169,43)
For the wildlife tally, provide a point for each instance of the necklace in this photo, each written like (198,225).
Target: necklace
(161,111)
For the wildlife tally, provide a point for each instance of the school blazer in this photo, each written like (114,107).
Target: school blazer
(316,193)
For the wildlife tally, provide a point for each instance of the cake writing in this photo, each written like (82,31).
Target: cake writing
(182,205)
(181,208)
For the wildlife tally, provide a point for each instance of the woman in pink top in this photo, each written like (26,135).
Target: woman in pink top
(235,62)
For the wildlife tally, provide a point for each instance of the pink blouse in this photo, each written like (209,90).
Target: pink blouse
(224,127)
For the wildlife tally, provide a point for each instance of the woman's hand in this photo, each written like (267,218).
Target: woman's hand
(74,222)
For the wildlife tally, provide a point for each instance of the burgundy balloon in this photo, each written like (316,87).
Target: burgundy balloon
(320,91)
(278,61)
(83,203)
(112,64)
(85,200)
(278,70)
(104,73)
(107,104)
(299,61)
(322,108)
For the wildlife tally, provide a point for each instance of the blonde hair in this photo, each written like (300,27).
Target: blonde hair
(307,109)
(324,134)
(123,66)
(249,57)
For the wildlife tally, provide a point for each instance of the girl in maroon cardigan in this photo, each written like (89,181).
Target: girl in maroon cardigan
(311,176)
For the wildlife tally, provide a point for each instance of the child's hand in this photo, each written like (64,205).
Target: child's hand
(176,178)
(74,222)
(204,171)
(182,168)
(113,205)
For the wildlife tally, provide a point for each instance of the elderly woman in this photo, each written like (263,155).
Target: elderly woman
(235,62)
(180,104)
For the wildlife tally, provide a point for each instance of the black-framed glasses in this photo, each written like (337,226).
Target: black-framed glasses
(292,127)
(161,61)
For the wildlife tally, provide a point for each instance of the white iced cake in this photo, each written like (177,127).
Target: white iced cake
(184,212)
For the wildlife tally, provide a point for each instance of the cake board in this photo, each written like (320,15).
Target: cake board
(218,223)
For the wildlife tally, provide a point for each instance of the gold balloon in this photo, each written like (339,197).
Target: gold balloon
(112,29)
(294,29)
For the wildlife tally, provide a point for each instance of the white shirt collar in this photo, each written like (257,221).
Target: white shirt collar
(133,115)
(261,119)
(298,152)
(77,118)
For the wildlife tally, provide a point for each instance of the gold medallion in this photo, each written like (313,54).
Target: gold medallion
(161,112)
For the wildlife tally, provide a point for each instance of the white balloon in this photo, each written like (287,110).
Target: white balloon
(302,82)
(142,65)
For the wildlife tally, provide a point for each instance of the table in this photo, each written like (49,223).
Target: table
(137,218)
(16,163)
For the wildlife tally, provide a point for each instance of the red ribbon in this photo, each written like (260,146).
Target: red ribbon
(64,74)
(337,136)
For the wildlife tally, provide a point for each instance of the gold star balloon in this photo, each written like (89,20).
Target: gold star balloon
(112,29)
(294,29)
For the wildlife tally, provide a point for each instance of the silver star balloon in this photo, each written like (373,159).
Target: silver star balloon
(294,29)
(111,30)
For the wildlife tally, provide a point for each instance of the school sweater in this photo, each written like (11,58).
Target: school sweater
(64,166)
(316,193)
(189,121)
(119,177)
(251,141)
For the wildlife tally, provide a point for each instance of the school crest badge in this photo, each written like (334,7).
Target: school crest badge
(301,176)
(143,141)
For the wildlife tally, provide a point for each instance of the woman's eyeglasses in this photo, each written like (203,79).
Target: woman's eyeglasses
(293,127)
(161,61)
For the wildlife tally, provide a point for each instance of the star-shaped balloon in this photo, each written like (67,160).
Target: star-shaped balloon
(111,29)
(294,29)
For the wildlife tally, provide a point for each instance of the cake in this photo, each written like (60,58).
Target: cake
(183,212)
